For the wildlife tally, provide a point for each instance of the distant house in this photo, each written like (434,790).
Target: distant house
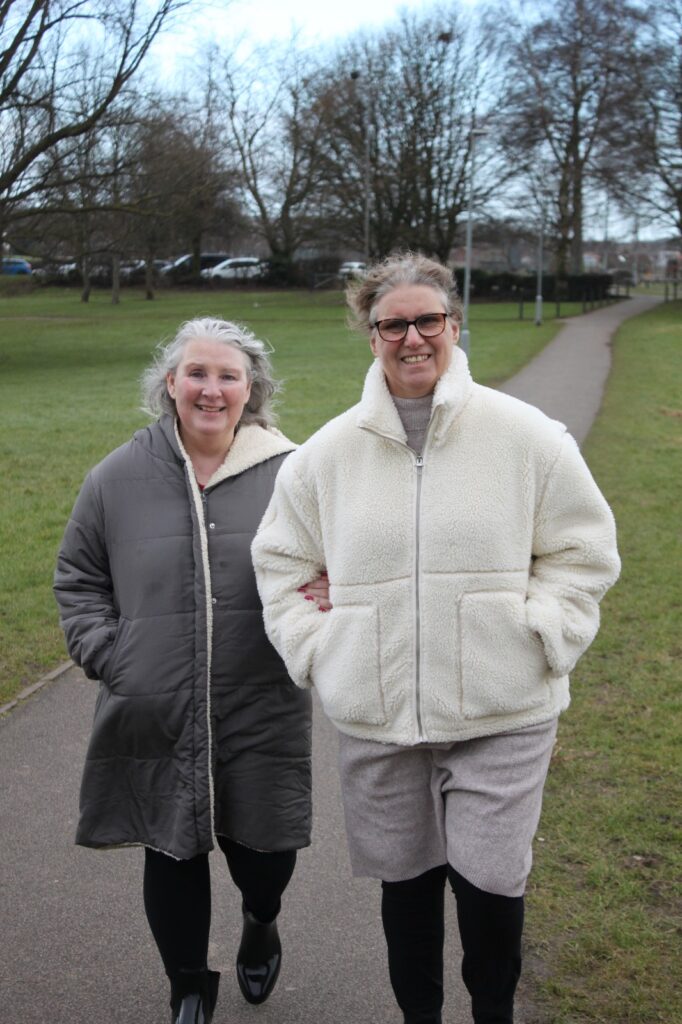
(668,264)
(592,261)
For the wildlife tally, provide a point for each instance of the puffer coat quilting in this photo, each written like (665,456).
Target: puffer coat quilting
(176,648)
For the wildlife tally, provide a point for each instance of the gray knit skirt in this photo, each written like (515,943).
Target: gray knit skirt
(474,804)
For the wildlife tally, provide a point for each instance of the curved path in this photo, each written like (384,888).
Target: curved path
(567,379)
(75,945)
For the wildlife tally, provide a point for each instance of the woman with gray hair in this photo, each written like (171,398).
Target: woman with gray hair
(467,548)
(199,736)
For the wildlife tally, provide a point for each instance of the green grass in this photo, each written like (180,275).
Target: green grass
(69,394)
(657,288)
(604,909)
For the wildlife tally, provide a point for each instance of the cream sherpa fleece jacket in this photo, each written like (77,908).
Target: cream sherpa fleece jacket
(465,584)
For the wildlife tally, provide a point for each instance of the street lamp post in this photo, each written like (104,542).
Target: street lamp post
(367,191)
(538,288)
(355,75)
(464,333)
(605,254)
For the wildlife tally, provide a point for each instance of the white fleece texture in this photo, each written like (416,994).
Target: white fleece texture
(516,548)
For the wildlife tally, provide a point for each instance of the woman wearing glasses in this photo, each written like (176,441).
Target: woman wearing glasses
(467,547)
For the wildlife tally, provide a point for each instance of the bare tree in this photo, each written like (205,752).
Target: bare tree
(49,91)
(646,173)
(182,184)
(275,125)
(148,179)
(85,192)
(402,105)
(566,96)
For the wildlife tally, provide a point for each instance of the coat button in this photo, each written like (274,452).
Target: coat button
(214,600)
(211,526)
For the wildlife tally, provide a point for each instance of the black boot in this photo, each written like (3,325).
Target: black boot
(431,1019)
(259,958)
(193,996)
(412,913)
(490,927)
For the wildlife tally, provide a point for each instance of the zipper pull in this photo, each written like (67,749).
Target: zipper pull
(419,461)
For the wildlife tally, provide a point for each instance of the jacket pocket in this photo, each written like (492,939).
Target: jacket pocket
(346,668)
(503,663)
(117,646)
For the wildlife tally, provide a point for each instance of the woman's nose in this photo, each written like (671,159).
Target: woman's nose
(413,337)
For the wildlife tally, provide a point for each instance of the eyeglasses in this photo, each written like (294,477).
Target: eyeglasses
(429,325)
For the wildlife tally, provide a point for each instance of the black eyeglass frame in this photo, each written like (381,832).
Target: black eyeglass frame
(376,326)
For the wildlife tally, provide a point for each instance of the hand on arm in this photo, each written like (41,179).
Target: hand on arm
(318,590)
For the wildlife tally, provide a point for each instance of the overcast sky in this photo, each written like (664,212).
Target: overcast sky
(315,21)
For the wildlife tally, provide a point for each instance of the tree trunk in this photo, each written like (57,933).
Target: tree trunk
(282,264)
(2,229)
(563,225)
(149,278)
(577,223)
(196,256)
(87,283)
(116,279)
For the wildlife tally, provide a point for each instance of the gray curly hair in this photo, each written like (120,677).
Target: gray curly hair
(402,268)
(258,409)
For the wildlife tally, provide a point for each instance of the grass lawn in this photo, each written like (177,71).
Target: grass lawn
(673,289)
(69,394)
(604,909)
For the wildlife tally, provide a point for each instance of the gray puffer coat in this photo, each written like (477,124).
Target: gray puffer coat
(198,729)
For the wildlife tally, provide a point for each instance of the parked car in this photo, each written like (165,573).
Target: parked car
(238,268)
(15,265)
(66,274)
(135,271)
(101,275)
(351,268)
(181,269)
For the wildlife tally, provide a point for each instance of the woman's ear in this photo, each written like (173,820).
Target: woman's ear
(170,384)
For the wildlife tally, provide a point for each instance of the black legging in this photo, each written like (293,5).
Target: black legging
(490,928)
(177,897)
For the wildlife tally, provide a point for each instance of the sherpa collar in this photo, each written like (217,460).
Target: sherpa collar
(377,409)
(252,444)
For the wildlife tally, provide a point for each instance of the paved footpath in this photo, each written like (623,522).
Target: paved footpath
(75,944)
(566,380)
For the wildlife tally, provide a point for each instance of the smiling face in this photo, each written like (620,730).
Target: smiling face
(210,388)
(414,365)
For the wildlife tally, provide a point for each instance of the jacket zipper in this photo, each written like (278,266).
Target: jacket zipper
(419,465)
